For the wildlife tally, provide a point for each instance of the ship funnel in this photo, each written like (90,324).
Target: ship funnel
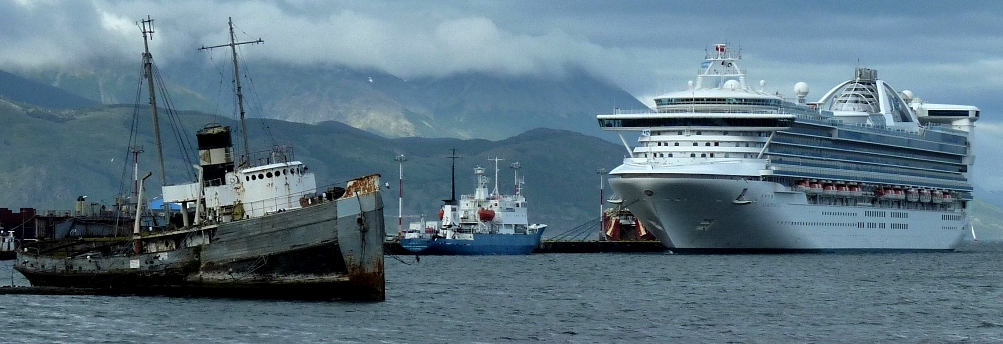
(215,153)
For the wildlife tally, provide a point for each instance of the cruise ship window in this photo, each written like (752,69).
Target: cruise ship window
(693,155)
(703,155)
(677,144)
(680,133)
(670,155)
(711,155)
(717,144)
(696,144)
(707,144)
(699,133)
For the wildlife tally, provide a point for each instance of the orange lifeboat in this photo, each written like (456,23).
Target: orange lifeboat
(912,195)
(815,187)
(828,189)
(855,190)
(947,197)
(441,213)
(924,196)
(899,194)
(936,196)
(842,190)
(486,214)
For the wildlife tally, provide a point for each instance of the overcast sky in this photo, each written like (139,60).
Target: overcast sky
(943,51)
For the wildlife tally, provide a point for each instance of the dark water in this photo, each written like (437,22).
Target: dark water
(575,298)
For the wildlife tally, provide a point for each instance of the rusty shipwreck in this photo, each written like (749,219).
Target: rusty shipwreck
(252,228)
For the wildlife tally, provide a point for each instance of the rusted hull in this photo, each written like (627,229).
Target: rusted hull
(328,250)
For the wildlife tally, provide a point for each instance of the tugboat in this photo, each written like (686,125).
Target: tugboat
(479,224)
(250,230)
(619,224)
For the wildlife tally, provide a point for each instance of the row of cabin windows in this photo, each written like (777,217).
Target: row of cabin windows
(694,155)
(716,144)
(700,132)
(277,173)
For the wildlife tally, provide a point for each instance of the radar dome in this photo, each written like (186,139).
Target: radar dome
(732,85)
(690,84)
(907,96)
(801,89)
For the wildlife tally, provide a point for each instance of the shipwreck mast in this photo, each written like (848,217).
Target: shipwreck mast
(236,79)
(147,28)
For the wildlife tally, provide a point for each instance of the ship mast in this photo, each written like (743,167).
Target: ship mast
(236,78)
(147,28)
(452,198)
(496,160)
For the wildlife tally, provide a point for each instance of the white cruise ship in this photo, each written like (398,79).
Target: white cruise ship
(724,167)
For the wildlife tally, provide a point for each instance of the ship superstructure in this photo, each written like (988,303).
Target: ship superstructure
(484,223)
(725,167)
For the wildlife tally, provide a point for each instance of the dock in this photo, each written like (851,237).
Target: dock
(568,246)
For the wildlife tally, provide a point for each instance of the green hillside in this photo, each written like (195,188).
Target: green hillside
(53,157)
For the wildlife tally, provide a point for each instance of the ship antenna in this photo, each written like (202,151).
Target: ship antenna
(452,198)
(496,160)
(147,28)
(236,78)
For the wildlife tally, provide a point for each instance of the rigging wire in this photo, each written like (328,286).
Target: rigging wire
(133,136)
(257,103)
(183,141)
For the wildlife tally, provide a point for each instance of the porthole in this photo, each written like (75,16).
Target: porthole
(269,174)
(253,177)
(246,178)
(261,176)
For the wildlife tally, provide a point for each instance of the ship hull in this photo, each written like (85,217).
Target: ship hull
(698,215)
(330,250)
(482,244)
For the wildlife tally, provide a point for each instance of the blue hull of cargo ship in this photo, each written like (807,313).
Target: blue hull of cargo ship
(483,244)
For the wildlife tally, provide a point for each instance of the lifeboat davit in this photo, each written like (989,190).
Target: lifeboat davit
(486,214)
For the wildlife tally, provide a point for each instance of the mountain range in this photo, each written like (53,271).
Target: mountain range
(467,105)
(62,142)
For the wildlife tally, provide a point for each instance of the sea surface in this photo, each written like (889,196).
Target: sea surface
(573,298)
